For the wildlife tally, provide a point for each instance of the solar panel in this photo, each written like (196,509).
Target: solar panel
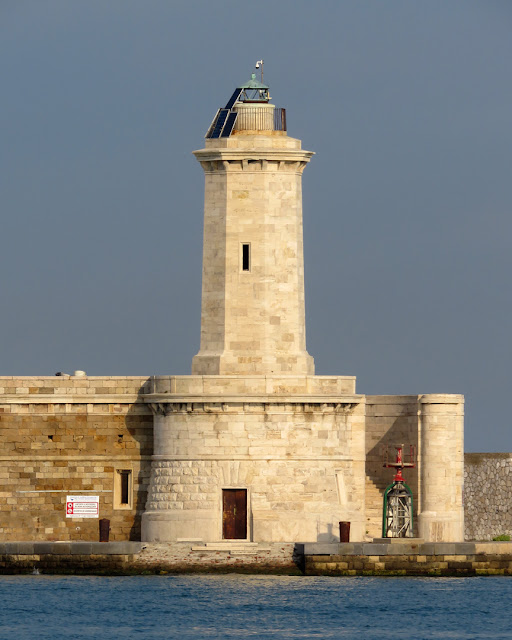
(233,98)
(214,122)
(230,123)
(221,119)
(225,119)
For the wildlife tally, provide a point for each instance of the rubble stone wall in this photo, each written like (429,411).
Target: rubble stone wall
(487,495)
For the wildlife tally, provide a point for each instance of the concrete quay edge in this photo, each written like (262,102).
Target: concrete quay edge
(346,559)
(70,548)
(307,548)
(406,548)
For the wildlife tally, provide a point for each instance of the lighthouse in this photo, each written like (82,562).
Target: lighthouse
(253,446)
(253,449)
(252,318)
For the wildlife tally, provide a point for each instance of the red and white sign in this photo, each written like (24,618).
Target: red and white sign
(82,506)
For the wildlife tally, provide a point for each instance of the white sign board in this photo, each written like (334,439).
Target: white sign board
(82,506)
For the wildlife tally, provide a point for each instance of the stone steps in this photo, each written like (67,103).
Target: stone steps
(233,548)
(373,507)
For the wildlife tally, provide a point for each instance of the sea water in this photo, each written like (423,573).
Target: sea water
(234,606)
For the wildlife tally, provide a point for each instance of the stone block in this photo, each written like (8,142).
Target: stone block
(489,572)
(461,564)
(428,548)
(370,549)
(320,548)
(443,548)
(465,548)
(43,548)
(397,550)
(11,548)
(61,548)
(373,558)
(81,548)
(26,548)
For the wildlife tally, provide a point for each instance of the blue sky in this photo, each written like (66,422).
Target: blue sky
(407,204)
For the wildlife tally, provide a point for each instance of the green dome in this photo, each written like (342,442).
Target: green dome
(253,84)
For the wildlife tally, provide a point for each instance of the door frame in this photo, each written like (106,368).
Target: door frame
(248,514)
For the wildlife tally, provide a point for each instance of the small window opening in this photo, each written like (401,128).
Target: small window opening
(246,257)
(125,487)
(50,437)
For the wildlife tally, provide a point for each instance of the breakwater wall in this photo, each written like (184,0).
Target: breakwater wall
(411,558)
(126,558)
(346,559)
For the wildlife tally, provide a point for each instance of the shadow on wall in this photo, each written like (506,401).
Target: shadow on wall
(328,536)
(136,451)
(387,431)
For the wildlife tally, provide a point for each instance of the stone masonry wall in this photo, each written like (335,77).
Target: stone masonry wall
(67,435)
(424,559)
(300,459)
(487,495)
(253,318)
(287,456)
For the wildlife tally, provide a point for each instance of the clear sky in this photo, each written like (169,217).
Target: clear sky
(407,204)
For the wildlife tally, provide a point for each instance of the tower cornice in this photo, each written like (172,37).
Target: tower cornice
(205,155)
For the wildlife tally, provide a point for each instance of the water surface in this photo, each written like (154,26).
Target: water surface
(234,606)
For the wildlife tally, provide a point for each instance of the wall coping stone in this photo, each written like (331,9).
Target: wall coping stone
(69,548)
(426,548)
(246,398)
(71,378)
(58,398)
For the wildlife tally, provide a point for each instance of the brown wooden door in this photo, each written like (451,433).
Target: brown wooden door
(234,514)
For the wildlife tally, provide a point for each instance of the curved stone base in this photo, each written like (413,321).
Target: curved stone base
(195,525)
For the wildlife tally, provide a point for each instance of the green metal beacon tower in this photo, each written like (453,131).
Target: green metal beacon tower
(397,519)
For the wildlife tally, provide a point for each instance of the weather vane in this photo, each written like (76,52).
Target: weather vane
(259,64)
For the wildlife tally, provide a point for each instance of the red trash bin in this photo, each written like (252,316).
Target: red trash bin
(104,529)
(344,531)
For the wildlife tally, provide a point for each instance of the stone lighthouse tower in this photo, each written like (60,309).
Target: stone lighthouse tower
(252,319)
(253,446)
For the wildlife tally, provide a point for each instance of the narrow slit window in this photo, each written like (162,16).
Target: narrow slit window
(246,257)
(123,489)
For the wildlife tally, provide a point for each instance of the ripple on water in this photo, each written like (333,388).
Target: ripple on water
(233,606)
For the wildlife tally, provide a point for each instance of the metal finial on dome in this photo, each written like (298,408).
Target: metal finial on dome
(259,65)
